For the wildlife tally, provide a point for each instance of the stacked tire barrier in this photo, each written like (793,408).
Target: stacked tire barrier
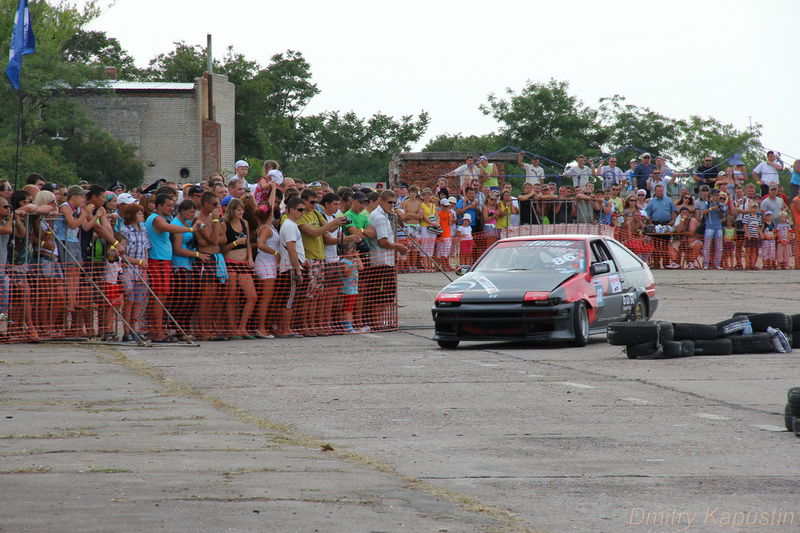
(743,333)
(792,411)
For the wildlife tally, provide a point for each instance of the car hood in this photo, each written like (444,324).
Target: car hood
(504,286)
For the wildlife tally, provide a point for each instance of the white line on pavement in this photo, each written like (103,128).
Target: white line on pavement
(576,385)
(637,401)
(767,427)
(709,416)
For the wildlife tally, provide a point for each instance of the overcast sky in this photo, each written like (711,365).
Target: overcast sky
(729,59)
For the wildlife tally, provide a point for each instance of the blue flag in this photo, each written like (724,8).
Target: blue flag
(22,43)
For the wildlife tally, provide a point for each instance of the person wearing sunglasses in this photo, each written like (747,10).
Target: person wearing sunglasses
(384,248)
(293,257)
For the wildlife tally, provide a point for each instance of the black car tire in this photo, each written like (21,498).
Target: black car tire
(715,347)
(672,348)
(633,333)
(695,332)
(742,314)
(732,326)
(761,321)
(796,339)
(788,418)
(794,400)
(756,343)
(796,425)
(639,311)
(688,348)
(448,345)
(795,321)
(580,325)
(644,349)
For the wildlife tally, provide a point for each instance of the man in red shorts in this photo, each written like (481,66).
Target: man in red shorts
(159,264)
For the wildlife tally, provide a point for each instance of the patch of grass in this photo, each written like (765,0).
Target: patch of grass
(108,470)
(34,469)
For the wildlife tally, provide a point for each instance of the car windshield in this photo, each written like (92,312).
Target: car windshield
(561,256)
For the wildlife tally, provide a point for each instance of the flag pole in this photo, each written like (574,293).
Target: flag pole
(19,134)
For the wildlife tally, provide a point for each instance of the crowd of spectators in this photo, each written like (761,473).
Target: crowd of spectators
(222,259)
(228,259)
(712,217)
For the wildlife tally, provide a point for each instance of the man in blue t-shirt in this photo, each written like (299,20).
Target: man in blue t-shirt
(642,171)
(468,205)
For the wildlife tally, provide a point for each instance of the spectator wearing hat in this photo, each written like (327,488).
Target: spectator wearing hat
(642,171)
(195,194)
(488,173)
(533,172)
(117,187)
(240,170)
(766,172)
(465,242)
(773,203)
(445,242)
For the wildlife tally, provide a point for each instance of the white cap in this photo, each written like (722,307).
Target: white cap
(642,191)
(126,198)
(241,163)
(276,176)
(453,200)
(444,201)
(467,216)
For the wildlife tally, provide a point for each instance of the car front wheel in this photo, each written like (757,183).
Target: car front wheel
(580,325)
(639,311)
(448,345)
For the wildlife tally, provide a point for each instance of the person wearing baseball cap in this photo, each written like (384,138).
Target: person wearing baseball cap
(466,245)
(241,168)
(642,172)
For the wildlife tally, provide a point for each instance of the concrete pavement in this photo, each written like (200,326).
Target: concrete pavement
(486,437)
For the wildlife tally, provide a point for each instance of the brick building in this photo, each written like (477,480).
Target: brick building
(423,168)
(169,123)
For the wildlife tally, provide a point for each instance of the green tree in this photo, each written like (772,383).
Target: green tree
(48,117)
(546,119)
(708,136)
(476,144)
(342,147)
(97,49)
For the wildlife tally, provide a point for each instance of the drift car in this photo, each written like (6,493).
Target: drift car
(546,287)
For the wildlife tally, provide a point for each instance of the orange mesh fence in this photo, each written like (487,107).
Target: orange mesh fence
(46,295)
(660,250)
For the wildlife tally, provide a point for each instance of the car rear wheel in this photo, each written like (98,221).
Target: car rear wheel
(448,345)
(580,325)
(639,311)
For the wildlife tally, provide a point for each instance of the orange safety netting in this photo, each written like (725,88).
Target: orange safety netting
(49,299)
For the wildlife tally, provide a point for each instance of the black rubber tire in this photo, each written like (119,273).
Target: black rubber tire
(632,333)
(787,417)
(715,347)
(756,343)
(641,350)
(672,349)
(695,332)
(796,339)
(732,326)
(580,325)
(742,314)
(640,310)
(796,425)
(795,321)
(794,400)
(761,321)
(688,348)
(448,345)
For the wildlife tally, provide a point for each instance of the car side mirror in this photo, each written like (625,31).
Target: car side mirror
(462,269)
(600,268)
